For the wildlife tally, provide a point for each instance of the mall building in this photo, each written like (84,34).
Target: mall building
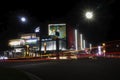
(60,37)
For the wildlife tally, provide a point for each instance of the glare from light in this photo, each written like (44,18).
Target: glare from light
(104,51)
(103,44)
(18,50)
(89,15)
(23,19)
(31,41)
(53,58)
(15,43)
(90,46)
(63,57)
(99,50)
(3,57)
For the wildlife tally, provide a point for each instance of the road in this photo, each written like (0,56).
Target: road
(86,69)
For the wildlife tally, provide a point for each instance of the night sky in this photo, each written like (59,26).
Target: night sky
(104,27)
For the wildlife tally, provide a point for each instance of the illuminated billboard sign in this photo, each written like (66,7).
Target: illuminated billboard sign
(57,30)
(31,41)
(19,50)
(16,42)
(28,36)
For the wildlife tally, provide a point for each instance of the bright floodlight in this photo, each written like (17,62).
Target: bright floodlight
(89,15)
(23,19)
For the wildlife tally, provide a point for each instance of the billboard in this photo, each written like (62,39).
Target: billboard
(58,30)
(28,36)
(16,42)
(31,41)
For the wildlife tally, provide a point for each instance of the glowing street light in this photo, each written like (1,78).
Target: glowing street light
(89,15)
(23,19)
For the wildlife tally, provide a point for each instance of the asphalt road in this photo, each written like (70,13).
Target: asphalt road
(82,69)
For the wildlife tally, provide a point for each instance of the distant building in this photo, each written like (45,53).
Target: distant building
(27,43)
(60,37)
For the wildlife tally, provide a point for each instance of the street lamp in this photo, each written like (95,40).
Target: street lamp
(89,15)
(23,19)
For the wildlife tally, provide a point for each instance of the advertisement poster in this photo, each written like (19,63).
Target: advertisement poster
(58,30)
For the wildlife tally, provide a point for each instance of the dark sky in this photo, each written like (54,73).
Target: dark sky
(104,26)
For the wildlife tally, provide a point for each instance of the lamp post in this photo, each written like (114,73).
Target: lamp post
(37,31)
(23,20)
(88,16)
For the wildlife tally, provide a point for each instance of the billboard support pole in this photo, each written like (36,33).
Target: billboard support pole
(57,48)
